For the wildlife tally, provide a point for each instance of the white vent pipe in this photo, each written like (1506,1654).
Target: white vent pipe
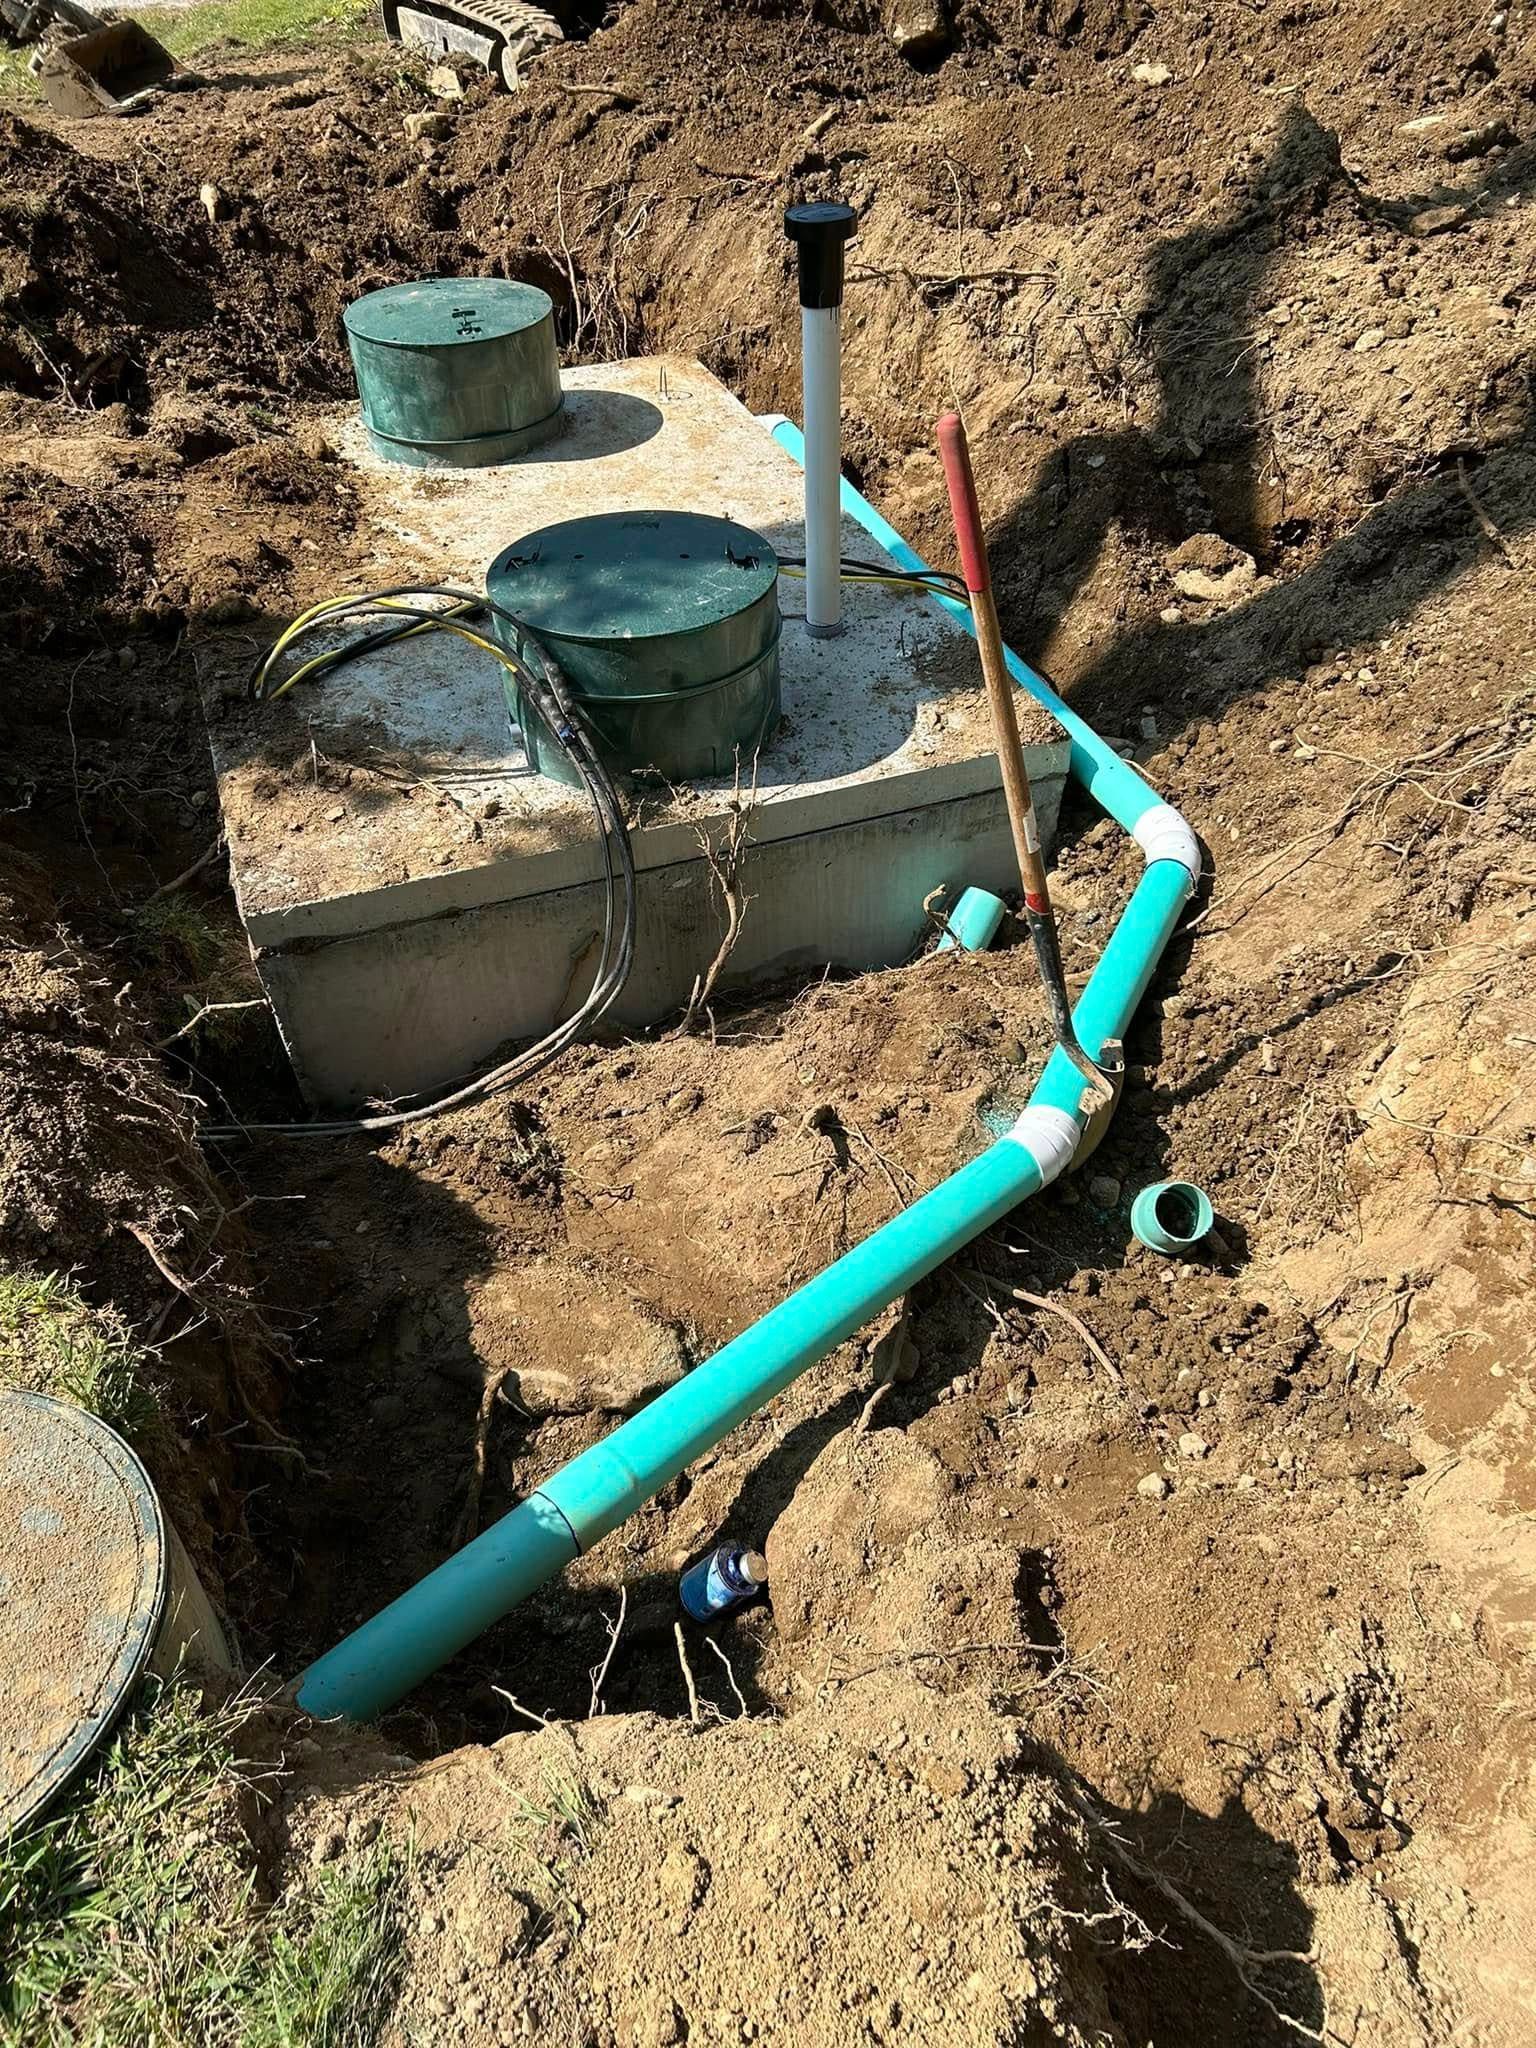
(820,232)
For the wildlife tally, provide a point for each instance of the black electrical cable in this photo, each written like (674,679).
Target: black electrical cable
(563,715)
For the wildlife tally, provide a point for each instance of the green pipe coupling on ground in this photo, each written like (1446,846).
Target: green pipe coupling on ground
(455,372)
(973,923)
(1172,1215)
(665,627)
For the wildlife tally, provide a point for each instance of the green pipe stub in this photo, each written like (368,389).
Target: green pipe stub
(665,626)
(973,922)
(455,372)
(1172,1215)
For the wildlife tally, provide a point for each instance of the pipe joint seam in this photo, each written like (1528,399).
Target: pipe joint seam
(1050,1136)
(561,1516)
(1163,833)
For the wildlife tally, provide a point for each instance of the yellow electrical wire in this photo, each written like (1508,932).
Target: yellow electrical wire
(933,589)
(451,622)
(448,623)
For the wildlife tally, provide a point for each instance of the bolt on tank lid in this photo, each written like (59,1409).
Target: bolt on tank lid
(438,311)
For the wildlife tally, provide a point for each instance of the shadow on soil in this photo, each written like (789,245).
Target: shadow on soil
(1209,461)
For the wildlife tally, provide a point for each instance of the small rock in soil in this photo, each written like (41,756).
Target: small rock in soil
(1211,569)
(1154,1487)
(648,1795)
(430,126)
(1192,1446)
(1104,1189)
(918,28)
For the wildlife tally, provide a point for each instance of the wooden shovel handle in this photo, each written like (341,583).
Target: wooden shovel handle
(955,454)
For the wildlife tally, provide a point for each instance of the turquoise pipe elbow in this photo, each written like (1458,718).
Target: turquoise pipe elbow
(587,1498)
(972,924)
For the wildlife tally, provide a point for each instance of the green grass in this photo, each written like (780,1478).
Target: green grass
(131,1919)
(563,1830)
(177,937)
(130,1915)
(52,1343)
(254,24)
(187,32)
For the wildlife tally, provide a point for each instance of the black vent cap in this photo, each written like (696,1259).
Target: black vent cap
(819,230)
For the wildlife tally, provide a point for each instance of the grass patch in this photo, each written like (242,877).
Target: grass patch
(250,24)
(254,24)
(130,1918)
(177,937)
(563,1832)
(52,1343)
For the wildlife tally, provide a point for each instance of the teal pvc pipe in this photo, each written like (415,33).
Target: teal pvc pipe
(1113,783)
(408,1640)
(972,924)
(603,1487)
(1118,983)
(586,1499)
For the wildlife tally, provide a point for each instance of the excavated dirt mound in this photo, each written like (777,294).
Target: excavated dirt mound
(1104,1590)
(916,1873)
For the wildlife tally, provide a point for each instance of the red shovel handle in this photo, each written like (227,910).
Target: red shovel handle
(954,452)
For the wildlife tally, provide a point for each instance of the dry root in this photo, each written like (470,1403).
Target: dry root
(725,856)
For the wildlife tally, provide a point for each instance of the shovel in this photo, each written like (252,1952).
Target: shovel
(955,453)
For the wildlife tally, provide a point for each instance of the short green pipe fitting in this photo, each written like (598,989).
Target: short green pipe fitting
(972,924)
(1172,1216)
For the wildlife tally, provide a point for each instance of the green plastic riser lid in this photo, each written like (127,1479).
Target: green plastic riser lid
(436,312)
(634,576)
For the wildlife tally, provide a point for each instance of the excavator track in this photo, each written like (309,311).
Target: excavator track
(500,34)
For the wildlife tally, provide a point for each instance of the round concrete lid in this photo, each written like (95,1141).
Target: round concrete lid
(633,575)
(439,312)
(82,1591)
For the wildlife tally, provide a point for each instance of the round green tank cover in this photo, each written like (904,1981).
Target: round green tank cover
(83,1576)
(666,626)
(455,372)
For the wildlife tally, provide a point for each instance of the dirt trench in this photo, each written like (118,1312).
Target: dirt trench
(1234,1598)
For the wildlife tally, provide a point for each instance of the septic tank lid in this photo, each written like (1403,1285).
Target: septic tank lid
(633,575)
(436,310)
(82,1591)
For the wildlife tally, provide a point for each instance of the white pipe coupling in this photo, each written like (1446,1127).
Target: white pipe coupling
(1050,1136)
(1163,833)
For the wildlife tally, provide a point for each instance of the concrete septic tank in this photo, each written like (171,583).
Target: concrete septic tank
(415,896)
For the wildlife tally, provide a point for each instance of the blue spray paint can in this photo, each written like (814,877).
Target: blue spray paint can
(721,1580)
